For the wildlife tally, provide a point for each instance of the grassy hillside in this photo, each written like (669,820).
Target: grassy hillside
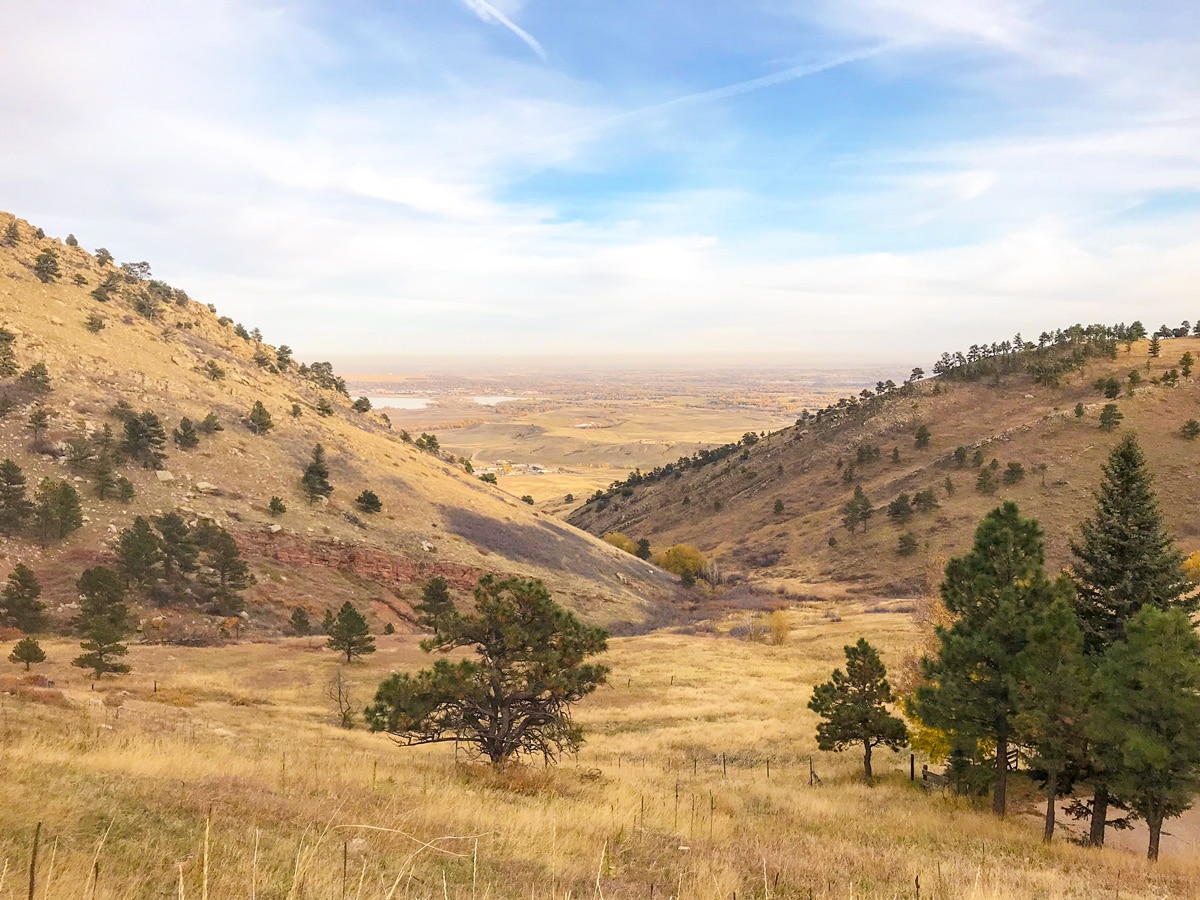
(728,509)
(671,795)
(153,352)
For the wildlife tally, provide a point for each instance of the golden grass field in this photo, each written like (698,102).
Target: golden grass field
(237,743)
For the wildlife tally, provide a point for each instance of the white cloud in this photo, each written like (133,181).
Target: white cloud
(489,13)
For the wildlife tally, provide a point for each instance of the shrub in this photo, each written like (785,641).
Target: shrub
(1190,429)
(682,560)
(36,379)
(362,405)
(185,436)
(526,498)
(621,542)
(79,280)
(1014,473)
(213,371)
(277,507)
(985,483)
(324,407)
(489,477)
(70,241)
(210,424)
(906,545)
(103,257)
(94,323)
(45,267)
(368,501)
(778,628)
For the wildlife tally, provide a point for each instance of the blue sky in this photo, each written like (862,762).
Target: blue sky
(818,181)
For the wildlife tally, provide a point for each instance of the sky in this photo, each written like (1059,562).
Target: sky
(819,181)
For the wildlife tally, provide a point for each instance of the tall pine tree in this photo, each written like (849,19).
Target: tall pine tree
(1124,560)
(19,599)
(1146,724)
(996,593)
(15,508)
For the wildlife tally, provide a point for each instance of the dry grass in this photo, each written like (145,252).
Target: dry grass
(671,794)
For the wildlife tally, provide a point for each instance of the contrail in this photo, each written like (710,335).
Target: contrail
(744,87)
(493,16)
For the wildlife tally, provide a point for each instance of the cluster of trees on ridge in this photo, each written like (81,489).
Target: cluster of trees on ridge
(1095,674)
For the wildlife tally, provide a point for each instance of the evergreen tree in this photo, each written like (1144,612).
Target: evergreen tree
(327,621)
(1155,349)
(643,548)
(324,407)
(177,547)
(57,511)
(996,593)
(22,608)
(103,257)
(1014,473)
(103,621)
(985,482)
(104,477)
(856,511)
(27,651)
(854,705)
(1124,556)
(45,267)
(277,507)
(144,439)
(368,501)
(210,424)
(185,436)
(362,405)
(8,356)
(1186,362)
(259,419)
(349,633)
(1124,560)
(900,510)
(1054,699)
(227,573)
(922,437)
(12,234)
(299,622)
(1190,429)
(14,507)
(1110,417)
(138,554)
(1146,722)
(315,480)
(39,422)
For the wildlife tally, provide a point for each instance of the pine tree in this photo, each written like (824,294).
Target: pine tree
(856,511)
(1124,560)
(997,593)
(39,422)
(327,621)
(324,407)
(22,608)
(315,480)
(185,436)
(45,267)
(226,574)
(1146,721)
(8,356)
(277,507)
(14,507)
(57,510)
(1155,349)
(103,620)
(12,233)
(145,439)
(138,554)
(350,634)
(259,419)
(1124,557)
(104,477)
(210,424)
(177,546)
(921,441)
(854,705)
(368,501)
(1054,699)
(27,651)
(1110,417)
(299,622)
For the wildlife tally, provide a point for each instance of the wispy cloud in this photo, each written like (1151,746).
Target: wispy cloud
(743,87)
(493,16)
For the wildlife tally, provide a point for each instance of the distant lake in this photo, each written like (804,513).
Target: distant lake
(493,401)
(401,402)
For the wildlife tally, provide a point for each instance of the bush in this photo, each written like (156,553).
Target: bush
(621,542)
(362,405)
(1190,429)
(1014,473)
(683,560)
(277,507)
(778,628)
(324,407)
(526,498)
(45,267)
(368,501)
(489,477)
(907,544)
(94,323)
(213,371)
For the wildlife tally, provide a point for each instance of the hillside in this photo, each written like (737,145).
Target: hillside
(772,510)
(155,352)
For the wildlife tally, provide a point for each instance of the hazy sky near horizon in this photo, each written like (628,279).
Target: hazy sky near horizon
(830,179)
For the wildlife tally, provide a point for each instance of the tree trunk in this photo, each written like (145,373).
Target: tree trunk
(1155,823)
(1001,787)
(867,760)
(1051,796)
(1099,816)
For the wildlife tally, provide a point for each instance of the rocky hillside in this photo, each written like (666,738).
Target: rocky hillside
(115,343)
(772,509)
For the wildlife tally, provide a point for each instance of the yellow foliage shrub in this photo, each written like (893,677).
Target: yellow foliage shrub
(682,559)
(621,542)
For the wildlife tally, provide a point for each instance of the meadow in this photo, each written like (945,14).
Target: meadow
(219,772)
